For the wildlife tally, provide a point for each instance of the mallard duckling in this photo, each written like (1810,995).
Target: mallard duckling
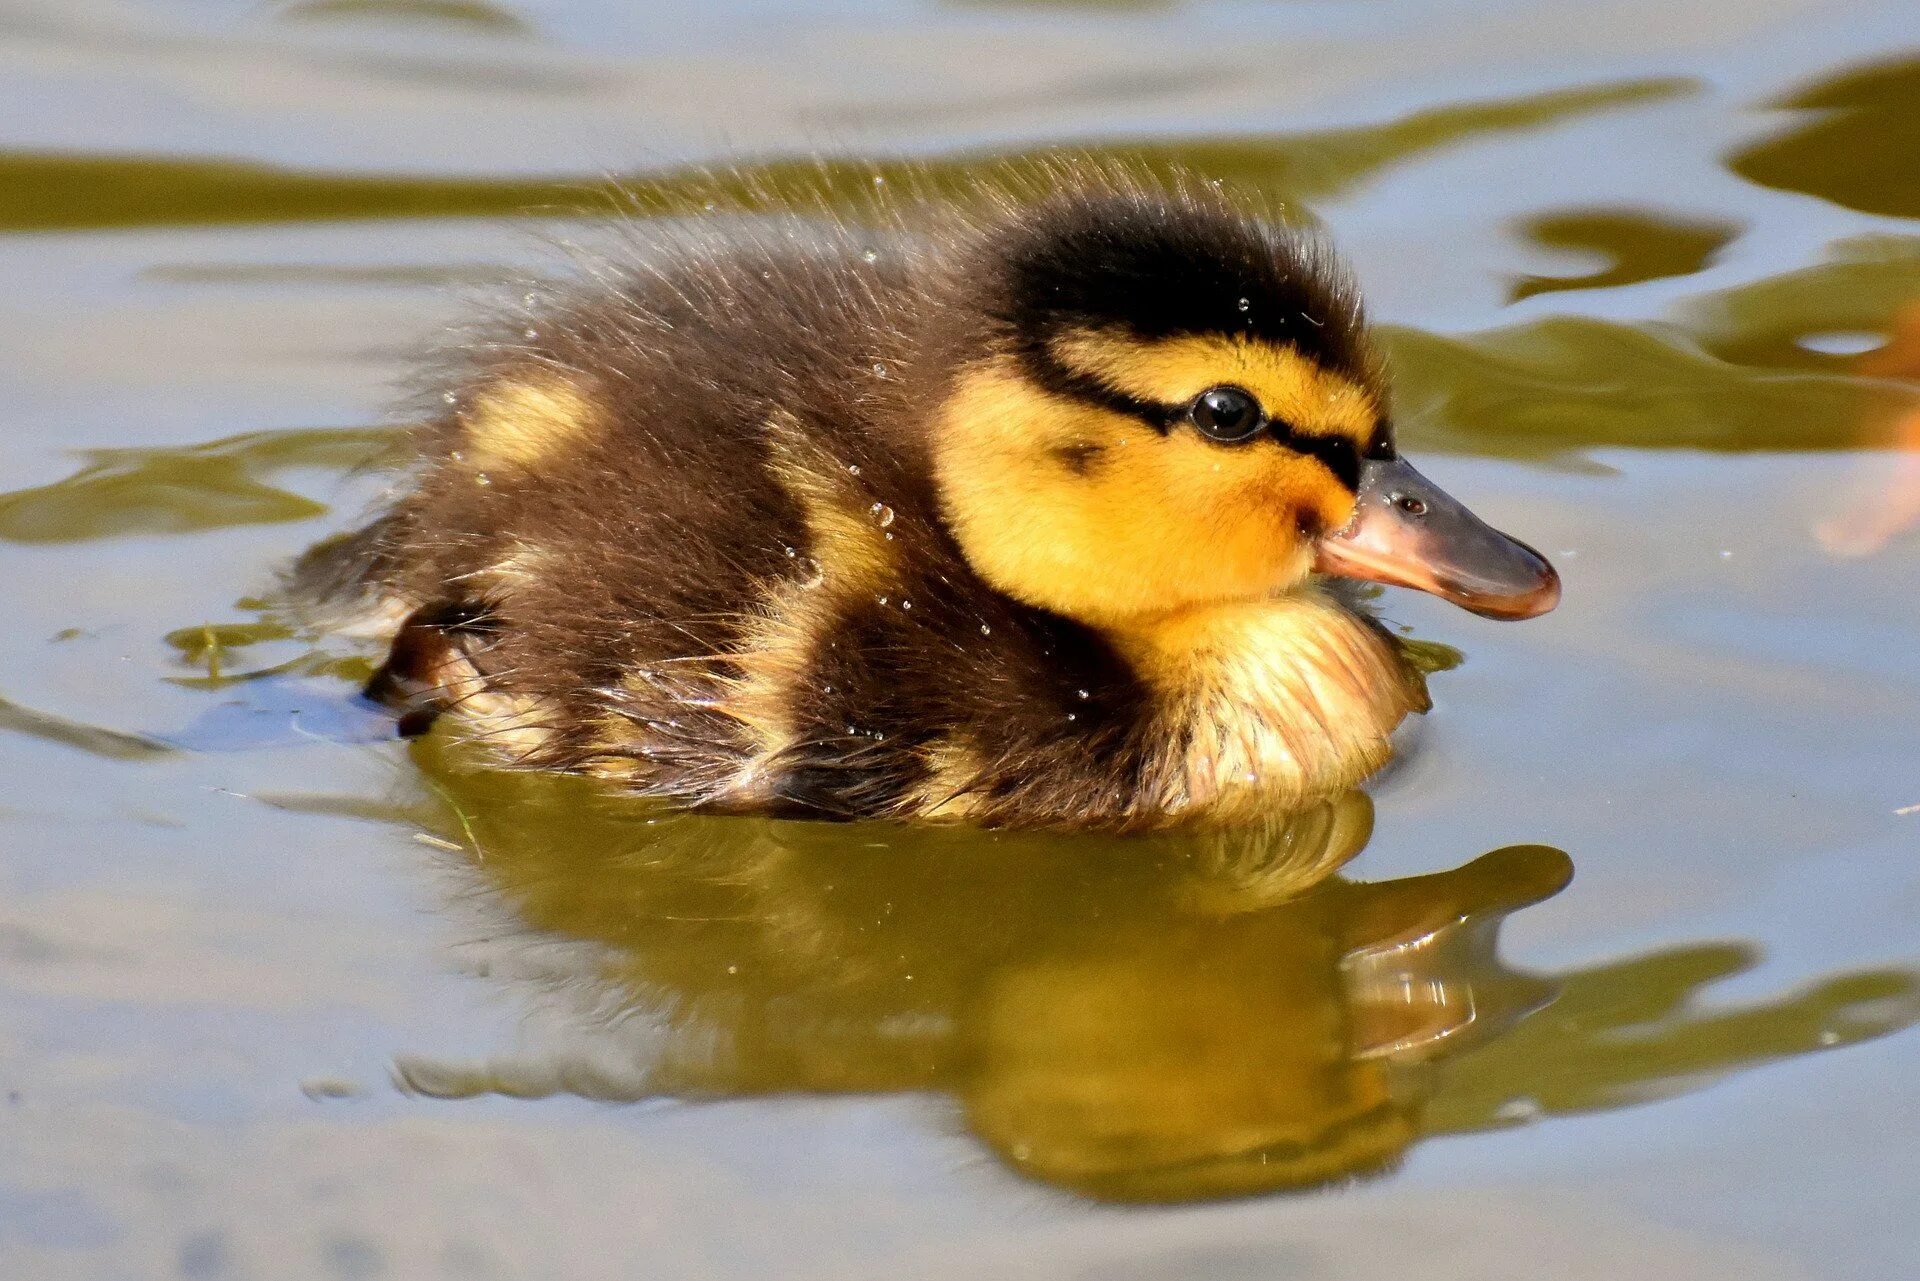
(1023,516)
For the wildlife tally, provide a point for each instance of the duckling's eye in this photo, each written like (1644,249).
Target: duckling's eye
(1226,414)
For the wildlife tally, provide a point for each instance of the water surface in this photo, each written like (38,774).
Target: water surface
(282,997)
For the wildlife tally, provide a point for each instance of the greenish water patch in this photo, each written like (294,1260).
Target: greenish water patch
(1563,386)
(468,15)
(1646,1028)
(1864,287)
(1860,146)
(272,275)
(42,191)
(45,192)
(224,654)
(92,739)
(181,489)
(1639,244)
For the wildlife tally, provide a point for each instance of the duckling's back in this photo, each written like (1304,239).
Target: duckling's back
(679,529)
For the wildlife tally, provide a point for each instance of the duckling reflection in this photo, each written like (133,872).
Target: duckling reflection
(1135,1019)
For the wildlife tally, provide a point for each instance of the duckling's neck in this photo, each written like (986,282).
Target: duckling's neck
(1267,703)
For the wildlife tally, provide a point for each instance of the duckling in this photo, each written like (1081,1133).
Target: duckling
(1019,510)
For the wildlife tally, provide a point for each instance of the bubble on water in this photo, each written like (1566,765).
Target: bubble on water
(709,206)
(882,514)
(879,180)
(882,600)
(1073,716)
(531,334)
(879,369)
(481,478)
(985,630)
(452,398)
(1841,342)
(905,603)
(457,456)
(1514,1111)
(869,255)
(1082,695)
(853,469)
(1244,304)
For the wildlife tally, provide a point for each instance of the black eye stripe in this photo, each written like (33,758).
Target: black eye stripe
(1045,370)
(1337,453)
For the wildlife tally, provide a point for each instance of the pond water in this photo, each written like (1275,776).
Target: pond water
(281,997)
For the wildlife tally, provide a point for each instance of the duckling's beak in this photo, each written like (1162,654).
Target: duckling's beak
(1407,531)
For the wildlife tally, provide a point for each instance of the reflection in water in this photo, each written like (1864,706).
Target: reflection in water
(281,275)
(42,191)
(471,15)
(49,728)
(1747,368)
(1888,502)
(1158,1019)
(1639,245)
(1788,321)
(1858,151)
(173,490)
(1564,385)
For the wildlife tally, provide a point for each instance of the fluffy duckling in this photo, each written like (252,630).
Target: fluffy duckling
(1022,516)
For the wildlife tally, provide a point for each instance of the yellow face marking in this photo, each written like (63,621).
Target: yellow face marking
(522,421)
(1138,523)
(1312,400)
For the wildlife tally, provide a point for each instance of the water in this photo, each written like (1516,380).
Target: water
(280,997)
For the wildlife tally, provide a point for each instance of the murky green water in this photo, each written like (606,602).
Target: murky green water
(282,998)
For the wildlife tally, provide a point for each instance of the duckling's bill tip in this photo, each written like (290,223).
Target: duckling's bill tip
(1408,532)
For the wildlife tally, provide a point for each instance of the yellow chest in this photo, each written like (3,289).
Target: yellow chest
(1269,704)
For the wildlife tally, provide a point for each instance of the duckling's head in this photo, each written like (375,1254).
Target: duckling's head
(1171,403)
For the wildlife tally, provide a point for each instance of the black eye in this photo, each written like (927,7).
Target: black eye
(1226,414)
